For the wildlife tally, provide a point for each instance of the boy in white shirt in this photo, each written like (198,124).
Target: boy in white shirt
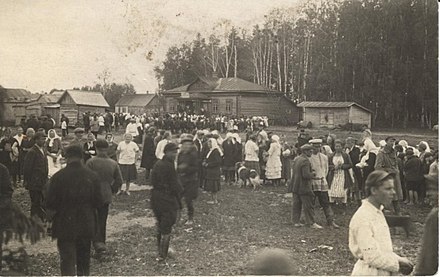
(127,153)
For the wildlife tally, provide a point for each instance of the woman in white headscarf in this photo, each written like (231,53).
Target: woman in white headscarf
(212,164)
(273,164)
(54,149)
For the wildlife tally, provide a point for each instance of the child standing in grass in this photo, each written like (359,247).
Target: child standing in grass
(127,153)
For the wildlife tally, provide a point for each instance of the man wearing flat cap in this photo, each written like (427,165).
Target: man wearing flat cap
(387,160)
(302,189)
(78,139)
(35,171)
(188,166)
(320,187)
(369,234)
(165,197)
(74,195)
(111,182)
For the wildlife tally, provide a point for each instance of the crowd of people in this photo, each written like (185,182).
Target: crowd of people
(182,153)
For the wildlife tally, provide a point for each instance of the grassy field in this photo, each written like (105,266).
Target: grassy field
(226,237)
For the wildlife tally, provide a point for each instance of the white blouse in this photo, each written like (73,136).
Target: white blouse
(370,242)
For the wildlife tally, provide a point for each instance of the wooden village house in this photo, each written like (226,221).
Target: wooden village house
(333,114)
(14,105)
(138,104)
(74,103)
(233,97)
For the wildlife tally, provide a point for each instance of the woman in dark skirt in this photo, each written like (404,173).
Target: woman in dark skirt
(212,163)
(229,149)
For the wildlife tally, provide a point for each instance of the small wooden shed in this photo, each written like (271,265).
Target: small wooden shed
(332,114)
(138,104)
(74,103)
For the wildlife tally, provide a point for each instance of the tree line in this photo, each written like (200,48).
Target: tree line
(381,54)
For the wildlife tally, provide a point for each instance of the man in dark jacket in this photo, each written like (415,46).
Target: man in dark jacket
(355,152)
(74,195)
(111,181)
(187,169)
(148,152)
(413,174)
(302,189)
(387,160)
(35,172)
(6,189)
(165,197)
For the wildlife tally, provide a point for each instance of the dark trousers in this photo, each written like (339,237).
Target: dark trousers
(37,204)
(190,206)
(102,224)
(64,132)
(303,203)
(74,257)
(322,197)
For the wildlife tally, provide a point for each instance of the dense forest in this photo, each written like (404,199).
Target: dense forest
(380,53)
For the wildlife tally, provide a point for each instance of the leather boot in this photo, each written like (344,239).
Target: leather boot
(164,245)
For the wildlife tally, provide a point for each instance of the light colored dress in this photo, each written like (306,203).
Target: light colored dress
(273,165)
(370,242)
(337,191)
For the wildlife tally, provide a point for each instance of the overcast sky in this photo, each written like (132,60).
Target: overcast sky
(49,44)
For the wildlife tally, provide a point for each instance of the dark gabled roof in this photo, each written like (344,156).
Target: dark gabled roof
(135,100)
(17,95)
(224,85)
(87,98)
(179,89)
(322,104)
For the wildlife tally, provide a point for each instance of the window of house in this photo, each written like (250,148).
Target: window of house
(229,104)
(215,105)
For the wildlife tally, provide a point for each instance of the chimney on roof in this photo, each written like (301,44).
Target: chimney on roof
(214,74)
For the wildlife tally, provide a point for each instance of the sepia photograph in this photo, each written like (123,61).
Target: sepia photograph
(219,138)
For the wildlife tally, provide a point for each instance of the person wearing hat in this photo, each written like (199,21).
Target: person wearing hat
(387,160)
(35,172)
(229,158)
(74,196)
(303,195)
(165,197)
(111,180)
(320,187)
(369,234)
(148,152)
(78,139)
(188,166)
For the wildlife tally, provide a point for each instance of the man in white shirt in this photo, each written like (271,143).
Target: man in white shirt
(161,145)
(320,187)
(369,234)
(251,151)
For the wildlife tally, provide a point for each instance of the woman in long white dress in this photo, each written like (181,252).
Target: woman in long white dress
(273,165)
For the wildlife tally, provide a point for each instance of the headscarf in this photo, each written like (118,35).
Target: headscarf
(237,137)
(276,139)
(51,140)
(230,136)
(214,145)
(428,149)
